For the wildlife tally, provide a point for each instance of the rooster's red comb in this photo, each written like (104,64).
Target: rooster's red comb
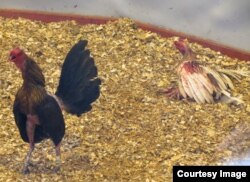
(16,50)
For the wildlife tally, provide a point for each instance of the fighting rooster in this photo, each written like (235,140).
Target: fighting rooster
(38,114)
(202,83)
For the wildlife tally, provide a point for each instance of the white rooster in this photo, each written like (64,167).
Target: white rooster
(201,83)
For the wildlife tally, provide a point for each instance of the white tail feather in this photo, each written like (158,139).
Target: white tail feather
(237,74)
(231,100)
(228,81)
(217,77)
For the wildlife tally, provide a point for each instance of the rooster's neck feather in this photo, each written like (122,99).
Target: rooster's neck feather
(32,74)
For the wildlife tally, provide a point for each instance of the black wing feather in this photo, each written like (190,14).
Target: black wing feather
(20,120)
(51,119)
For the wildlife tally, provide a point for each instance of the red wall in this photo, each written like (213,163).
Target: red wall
(53,17)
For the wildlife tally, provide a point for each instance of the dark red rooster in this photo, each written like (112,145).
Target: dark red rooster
(38,114)
(201,83)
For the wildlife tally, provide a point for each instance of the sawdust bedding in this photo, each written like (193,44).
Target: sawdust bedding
(132,133)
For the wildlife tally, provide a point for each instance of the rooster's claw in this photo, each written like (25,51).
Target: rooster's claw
(56,169)
(26,171)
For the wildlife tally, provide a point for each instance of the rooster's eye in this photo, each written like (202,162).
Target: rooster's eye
(12,57)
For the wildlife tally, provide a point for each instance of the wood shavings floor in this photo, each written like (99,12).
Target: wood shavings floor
(132,133)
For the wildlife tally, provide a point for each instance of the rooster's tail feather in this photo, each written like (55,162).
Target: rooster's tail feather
(236,74)
(79,85)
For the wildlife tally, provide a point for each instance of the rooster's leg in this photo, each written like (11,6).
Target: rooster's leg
(58,157)
(30,129)
(171,92)
(27,159)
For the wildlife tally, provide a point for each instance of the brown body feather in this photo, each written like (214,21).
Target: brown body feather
(33,90)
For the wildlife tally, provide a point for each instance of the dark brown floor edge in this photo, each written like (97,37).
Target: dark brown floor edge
(54,17)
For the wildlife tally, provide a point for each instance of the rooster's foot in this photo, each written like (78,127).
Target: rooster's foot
(171,92)
(56,169)
(31,164)
(26,170)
